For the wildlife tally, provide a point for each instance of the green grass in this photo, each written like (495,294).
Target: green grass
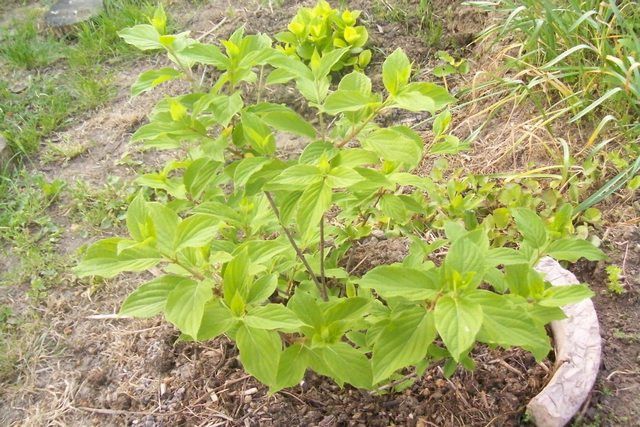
(578,62)
(28,233)
(65,76)
(416,18)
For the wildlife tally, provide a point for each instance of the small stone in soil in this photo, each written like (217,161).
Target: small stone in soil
(69,12)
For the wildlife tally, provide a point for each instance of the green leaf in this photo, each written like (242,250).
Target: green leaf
(272,316)
(196,231)
(199,175)
(262,288)
(397,281)
(102,259)
(291,367)
(398,143)
(356,81)
(258,134)
(149,299)
(574,249)
(142,36)
(504,256)
(506,322)
(347,364)
(216,320)
(464,265)
(531,226)
(422,96)
(236,278)
(185,304)
(137,219)
(224,108)
(558,296)
(342,101)
(283,118)
(205,54)
(165,223)
(458,322)
(327,62)
(346,309)
(404,341)
(314,202)
(260,352)
(296,177)
(396,71)
(393,207)
(342,177)
(247,167)
(152,78)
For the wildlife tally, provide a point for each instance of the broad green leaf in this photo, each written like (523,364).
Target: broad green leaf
(558,296)
(396,71)
(327,62)
(185,304)
(393,207)
(137,219)
(272,316)
(260,352)
(205,54)
(291,367)
(342,101)
(283,118)
(504,256)
(458,321)
(314,202)
(397,281)
(152,78)
(236,277)
(404,341)
(247,167)
(258,134)
(347,364)
(149,299)
(422,96)
(216,320)
(196,231)
(199,175)
(531,226)
(346,309)
(356,81)
(262,288)
(342,177)
(102,259)
(142,36)
(165,223)
(574,249)
(506,322)
(398,143)
(296,177)
(464,265)
(307,308)
(226,107)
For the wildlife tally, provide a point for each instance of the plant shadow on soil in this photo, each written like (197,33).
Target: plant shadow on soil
(84,370)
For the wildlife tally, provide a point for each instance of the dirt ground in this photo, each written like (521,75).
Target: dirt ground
(87,368)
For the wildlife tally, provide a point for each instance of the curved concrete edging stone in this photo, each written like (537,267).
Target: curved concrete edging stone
(578,346)
(69,12)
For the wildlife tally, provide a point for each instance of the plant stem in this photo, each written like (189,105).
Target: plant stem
(295,246)
(323,279)
(260,85)
(357,130)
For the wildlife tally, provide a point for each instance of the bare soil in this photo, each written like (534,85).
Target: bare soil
(84,368)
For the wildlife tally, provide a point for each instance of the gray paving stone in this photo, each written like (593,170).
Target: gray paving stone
(69,12)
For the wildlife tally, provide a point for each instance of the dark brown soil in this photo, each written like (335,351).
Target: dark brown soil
(615,399)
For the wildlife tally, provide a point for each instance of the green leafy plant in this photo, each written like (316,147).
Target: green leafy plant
(256,245)
(316,31)
(614,285)
(449,66)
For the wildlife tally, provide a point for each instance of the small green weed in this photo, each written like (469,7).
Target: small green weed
(413,17)
(614,285)
(100,209)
